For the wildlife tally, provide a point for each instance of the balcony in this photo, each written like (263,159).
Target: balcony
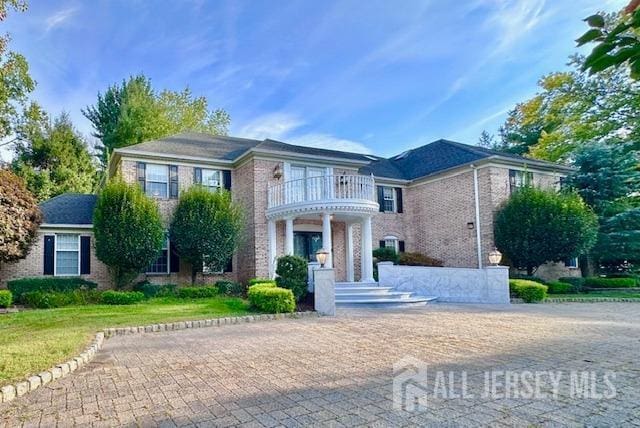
(329,193)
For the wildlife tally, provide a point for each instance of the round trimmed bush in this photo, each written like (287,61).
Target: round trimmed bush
(292,275)
(6,298)
(268,298)
(112,297)
(255,281)
(528,291)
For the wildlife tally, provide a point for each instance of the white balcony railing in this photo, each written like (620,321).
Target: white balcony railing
(323,188)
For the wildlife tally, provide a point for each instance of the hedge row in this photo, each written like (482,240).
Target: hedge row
(529,291)
(267,297)
(19,287)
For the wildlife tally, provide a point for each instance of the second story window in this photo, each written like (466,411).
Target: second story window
(519,179)
(157,180)
(390,199)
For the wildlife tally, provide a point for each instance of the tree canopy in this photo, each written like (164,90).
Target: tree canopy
(206,228)
(20,217)
(133,112)
(535,226)
(52,156)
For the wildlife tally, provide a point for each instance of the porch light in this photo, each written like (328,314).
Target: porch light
(321,256)
(495,257)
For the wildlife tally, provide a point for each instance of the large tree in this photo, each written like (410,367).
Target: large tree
(133,112)
(15,81)
(535,226)
(19,217)
(128,230)
(206,229)
(52,156)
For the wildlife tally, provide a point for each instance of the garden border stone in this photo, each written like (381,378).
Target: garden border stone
(31,383)
(579,300)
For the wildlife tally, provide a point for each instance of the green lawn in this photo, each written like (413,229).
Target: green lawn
(596,295)
(35,340)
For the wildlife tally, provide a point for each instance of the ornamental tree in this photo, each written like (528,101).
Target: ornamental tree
(128,230)
(19,217)
(536,226)
(206,229)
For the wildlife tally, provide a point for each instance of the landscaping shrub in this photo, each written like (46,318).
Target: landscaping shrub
(19,287)
(577,282)
(558,287)
(255,281)
(529,278)
(292,275)
(111,297)
(53,299)
(386,254)
(417,259)
(197,292)
(230,288)
(268,298)
(599,282)
(6,298)
(528,291)
(155,290)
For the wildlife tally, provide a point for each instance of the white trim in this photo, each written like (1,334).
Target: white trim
(55,255)
(65,226)
(146,180)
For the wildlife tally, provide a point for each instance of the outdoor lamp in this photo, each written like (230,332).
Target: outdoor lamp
(321,256)
(495,257)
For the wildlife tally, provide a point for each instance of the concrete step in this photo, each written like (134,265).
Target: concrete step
(357,284)
(385,303)
(363,290)
(373,296)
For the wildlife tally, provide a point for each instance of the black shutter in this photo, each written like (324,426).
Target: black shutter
(512,179)
(229,267)
(381,244)
(398,200)
(85,255)
(381,198)
(174,259)
(173,181)
(49,253)
(226,179)
(197,175)
(142,174)
(401,246)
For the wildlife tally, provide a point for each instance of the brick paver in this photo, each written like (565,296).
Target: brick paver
(339,371)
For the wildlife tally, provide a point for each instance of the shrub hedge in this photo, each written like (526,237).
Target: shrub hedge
(255,281)
(230,288)
(599,282)
(54,299)
(155,290)
(268,298)
(386,254)
(292,275)
(6,298)
(197,292)
(112,297)
(19,287)
(529,278)
(558,287)
(418,259)
(528,291)
(577,282)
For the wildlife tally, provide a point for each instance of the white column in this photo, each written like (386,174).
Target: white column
(349,251)
(273,248)
(326,239)
(367,251)
(288,237)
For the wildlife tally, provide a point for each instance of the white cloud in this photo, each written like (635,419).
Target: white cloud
(59,18)
(285,127)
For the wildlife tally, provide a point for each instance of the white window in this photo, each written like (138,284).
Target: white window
(161,265)
(392,242)
(67,255)
(571,263)
(519,179)
(157,180)
(306,183)
(212,179)
(388,199)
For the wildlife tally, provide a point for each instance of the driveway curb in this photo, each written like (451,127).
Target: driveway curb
(12,391)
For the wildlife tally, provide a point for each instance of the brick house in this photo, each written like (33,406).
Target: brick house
(438,199)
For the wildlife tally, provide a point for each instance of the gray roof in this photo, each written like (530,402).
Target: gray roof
(422,161)
(69,208)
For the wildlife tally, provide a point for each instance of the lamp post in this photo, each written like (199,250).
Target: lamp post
(321,256)
(495,257)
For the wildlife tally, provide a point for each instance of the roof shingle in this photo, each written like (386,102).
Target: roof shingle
(69,208)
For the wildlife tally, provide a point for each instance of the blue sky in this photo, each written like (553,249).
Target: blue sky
(374,76)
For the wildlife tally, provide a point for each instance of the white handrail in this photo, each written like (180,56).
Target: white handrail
(325,187)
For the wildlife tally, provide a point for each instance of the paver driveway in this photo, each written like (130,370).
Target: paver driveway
(339,371)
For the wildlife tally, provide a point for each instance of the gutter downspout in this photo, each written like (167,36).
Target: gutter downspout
(476,195)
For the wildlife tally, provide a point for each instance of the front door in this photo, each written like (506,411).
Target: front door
(305,244)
